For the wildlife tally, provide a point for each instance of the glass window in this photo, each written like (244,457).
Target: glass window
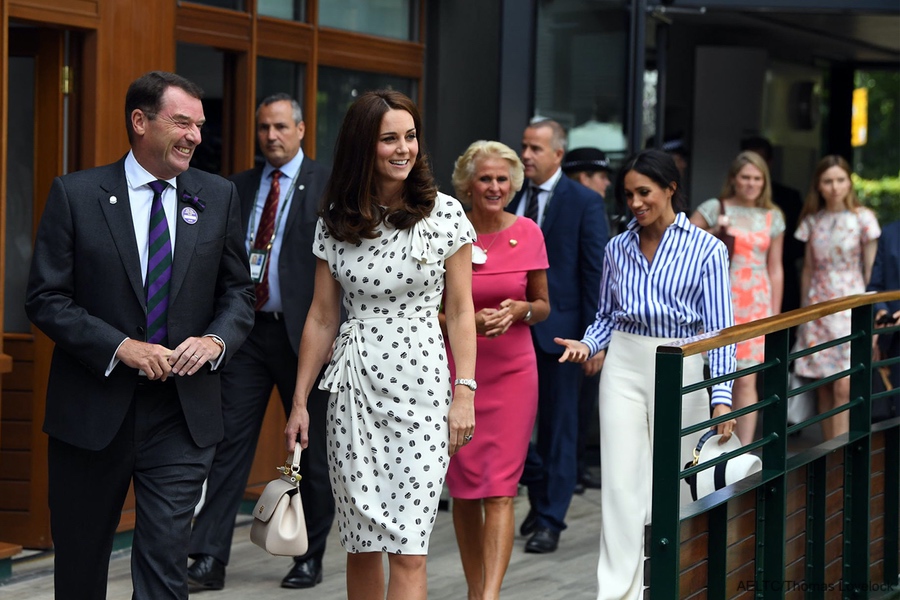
(387,18)
(230,4)
(292,10)
(580,77)
(19,192)
(205,66)
(275,76)
(338,88)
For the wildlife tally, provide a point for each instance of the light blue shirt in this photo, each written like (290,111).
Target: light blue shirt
(287,181)
(685,291)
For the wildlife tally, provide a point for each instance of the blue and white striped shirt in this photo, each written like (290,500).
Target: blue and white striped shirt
(684,291)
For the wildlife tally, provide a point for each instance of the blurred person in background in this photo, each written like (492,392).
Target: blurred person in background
(757,278)
(841,240)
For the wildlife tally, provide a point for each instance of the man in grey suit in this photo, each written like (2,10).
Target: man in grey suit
(268,359)
(140,277)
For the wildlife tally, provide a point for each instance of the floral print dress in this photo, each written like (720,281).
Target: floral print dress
(753,229)
(834,241)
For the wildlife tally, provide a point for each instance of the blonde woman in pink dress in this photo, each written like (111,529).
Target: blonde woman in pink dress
(509,288)
(757,274)
(841,240)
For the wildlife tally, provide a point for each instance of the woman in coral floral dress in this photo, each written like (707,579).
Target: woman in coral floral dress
(841,239)
(757,275)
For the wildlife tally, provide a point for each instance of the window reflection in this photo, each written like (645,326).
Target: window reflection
(338,89)
(580,72)
(292,10)
(275,76)
(387,18)
(205,66)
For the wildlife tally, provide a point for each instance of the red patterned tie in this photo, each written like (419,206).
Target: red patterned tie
(265,234)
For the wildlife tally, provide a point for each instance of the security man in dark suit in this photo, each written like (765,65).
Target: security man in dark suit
(279,204)
(575,233)
(140,277)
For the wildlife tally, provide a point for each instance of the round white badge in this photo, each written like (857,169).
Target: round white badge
(189,215)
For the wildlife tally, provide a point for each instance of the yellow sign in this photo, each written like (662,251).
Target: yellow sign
(859,122)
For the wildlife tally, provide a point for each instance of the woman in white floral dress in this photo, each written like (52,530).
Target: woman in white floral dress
(392,248)
(841,239)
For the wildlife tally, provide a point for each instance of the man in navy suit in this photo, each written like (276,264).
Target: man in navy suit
(140,277)
(269,357)
(886,277)
(575,233)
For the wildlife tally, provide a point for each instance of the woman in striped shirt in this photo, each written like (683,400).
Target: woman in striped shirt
(663,279)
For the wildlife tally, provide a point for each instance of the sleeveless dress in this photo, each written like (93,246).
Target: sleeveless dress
(506,370)
(834,241)
(388,440)
(753,229)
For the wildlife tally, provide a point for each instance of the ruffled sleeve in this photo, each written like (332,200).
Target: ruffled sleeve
(868,224)
(709,210)
(322,242)
(778,226)
(804,229)
(442,233)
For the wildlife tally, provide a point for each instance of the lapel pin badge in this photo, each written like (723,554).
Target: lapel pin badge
(189,215)
(113,199)
(301,187)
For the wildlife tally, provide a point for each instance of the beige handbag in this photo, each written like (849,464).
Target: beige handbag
(279,526)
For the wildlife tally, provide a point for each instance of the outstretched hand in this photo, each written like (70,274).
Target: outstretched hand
(727,428)
(575,351)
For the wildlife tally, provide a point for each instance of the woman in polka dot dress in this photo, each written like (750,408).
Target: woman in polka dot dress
(392,248)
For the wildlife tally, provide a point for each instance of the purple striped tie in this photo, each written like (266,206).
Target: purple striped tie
(159,269)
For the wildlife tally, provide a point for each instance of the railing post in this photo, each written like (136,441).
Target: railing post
(665,525)
(771,499)
(857,456)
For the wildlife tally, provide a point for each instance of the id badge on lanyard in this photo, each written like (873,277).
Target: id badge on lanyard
(258,259)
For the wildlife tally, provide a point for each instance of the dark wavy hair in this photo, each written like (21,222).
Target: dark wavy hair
(657,166)
(349,208)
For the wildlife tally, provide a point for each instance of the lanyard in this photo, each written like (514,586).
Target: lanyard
(279,214)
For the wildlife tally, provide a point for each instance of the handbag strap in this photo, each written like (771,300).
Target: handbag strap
(290,472)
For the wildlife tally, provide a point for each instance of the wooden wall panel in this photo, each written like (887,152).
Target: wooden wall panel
(369,53)
(71,13)
(209,26)
(285,40)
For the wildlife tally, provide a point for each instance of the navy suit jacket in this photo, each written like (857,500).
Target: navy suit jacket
(886,269)
(86,292)
(296,262)
(575,233)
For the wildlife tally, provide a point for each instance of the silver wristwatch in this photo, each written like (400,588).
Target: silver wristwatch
(469,383)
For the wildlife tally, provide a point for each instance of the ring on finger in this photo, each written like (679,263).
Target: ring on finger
(467,438)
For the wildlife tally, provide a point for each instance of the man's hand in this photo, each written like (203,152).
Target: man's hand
(152,359)
(193,353)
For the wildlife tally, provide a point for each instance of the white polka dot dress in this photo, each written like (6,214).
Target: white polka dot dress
(389,381)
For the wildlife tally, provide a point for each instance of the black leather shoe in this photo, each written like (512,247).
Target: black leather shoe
(544,541)
(579,489)
(530,523)
(206,573)
(304,574)
(590,481)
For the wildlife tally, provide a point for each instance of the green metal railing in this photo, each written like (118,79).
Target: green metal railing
(770,486)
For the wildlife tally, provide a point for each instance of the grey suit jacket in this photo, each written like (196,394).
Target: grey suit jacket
(296,262)
(86,292)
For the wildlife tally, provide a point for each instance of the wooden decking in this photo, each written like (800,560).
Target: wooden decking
(569,573)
